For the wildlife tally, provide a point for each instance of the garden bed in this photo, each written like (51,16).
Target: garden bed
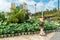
(31,25)
(18,34)
(25,33)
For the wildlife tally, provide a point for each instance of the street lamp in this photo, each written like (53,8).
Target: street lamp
(35,8)
(58,6)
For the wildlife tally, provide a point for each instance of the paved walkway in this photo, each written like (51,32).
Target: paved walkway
(30,37)
(56,36)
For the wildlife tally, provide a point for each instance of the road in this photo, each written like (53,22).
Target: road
(56,36)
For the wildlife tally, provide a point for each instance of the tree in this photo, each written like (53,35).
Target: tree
(2,16)
(18,15)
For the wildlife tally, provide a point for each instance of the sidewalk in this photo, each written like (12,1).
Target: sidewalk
(30,37)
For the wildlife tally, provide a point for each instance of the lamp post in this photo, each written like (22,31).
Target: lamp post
(35,8)
(58,6)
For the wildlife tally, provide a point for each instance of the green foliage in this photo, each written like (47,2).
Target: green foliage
(28,26)
(58,23)
(13,19)
(0,31)
(18,16)
(50,26)
(53,14)
(11,28)
(2,16)
(18,7)
(21,15)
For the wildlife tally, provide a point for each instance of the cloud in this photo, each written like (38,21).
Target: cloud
(28,2)
(4,6)
(41,6)
(50,5)
(31,5)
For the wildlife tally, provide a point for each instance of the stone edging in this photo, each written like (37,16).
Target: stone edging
(26,33)
(18,34)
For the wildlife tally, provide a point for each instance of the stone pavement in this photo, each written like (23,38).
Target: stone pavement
(30,37)
(56,36)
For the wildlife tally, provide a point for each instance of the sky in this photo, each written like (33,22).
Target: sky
(41,5)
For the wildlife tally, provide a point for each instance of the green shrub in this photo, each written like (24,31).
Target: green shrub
(0,31)
(2,16)
(29,26)
(12,28)
(50,26)
(18,17)
(21,15)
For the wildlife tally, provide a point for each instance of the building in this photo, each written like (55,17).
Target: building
(23,5)
(13,5)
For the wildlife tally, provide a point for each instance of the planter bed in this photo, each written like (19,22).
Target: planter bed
(18,34)
(25,33)
(50,30)
(31,26)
